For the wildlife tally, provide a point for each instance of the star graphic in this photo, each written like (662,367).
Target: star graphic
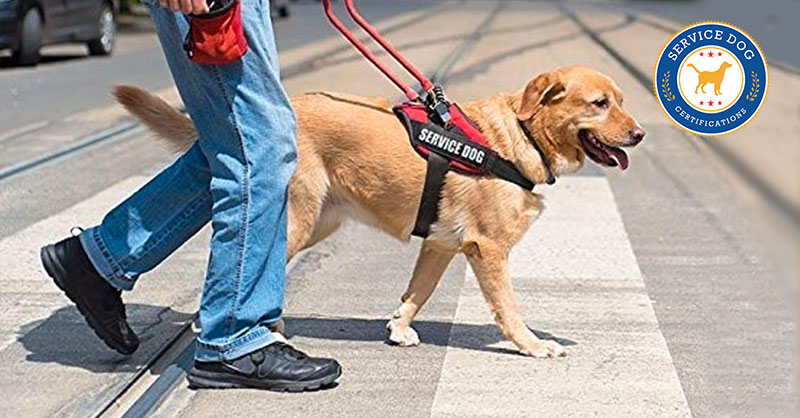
(711,103)
(719,103)
(701,54)
(711,54)
(719,54)
(701,103)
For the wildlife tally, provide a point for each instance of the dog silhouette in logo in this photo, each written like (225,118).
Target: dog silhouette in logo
(714,77)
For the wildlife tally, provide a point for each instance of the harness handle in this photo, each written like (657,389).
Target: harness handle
(426,84)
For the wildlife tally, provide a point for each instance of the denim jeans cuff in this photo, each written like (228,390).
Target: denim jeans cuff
(253,340)
(101,259)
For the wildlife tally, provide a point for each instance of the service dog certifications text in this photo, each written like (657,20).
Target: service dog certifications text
(711,123)
(711,78)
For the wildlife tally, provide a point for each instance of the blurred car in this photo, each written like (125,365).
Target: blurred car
(27,25)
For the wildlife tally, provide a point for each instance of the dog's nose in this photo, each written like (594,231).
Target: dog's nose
(637,135)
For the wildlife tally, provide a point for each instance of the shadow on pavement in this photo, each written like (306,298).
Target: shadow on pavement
(467,336)
(6,62)
(64,338)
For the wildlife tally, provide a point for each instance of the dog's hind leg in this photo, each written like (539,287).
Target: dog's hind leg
(490,264)
(329,220)
(431,264)
(308,191)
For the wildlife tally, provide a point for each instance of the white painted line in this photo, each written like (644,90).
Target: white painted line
(576,277)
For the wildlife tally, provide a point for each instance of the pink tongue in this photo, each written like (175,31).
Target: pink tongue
(620,156)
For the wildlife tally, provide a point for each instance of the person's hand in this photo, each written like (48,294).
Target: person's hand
(185,6)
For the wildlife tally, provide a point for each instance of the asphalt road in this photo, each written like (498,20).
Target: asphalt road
(69,81)
(773,24)
(654,278)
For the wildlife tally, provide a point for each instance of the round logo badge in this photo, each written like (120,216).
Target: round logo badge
(711,78)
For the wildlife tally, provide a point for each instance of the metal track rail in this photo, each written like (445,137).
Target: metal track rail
(128,128)
(106,135)
(131,402)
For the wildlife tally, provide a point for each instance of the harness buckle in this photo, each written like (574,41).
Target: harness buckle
(438,105)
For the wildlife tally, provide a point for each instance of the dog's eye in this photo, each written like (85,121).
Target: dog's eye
(601,103)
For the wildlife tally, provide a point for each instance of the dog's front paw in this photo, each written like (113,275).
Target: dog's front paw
(545,349)
(402,335)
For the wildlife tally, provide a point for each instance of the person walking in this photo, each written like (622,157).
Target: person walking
(236,176)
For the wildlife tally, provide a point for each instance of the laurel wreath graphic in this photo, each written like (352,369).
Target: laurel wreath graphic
(754,87)
(667,93)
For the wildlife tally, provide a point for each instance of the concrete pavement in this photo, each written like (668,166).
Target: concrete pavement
(653,277)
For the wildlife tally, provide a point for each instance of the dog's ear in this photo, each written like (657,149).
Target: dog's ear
(540,91)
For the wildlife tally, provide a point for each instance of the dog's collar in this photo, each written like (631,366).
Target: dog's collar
(545,160)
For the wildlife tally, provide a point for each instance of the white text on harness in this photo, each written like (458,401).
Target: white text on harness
(451,146)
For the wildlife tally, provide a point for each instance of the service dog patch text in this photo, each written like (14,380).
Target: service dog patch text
(451,146)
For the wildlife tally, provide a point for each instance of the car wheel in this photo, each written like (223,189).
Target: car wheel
(107,33)
(30,39)
(283,11)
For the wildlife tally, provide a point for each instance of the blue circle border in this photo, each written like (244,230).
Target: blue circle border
(685,115)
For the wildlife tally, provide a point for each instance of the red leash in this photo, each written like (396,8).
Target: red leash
(439,131)
(426,84)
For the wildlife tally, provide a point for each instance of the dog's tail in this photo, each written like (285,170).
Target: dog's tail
(164,120)
(695,68)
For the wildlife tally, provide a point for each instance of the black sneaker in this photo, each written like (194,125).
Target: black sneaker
(278,367)
(98,301)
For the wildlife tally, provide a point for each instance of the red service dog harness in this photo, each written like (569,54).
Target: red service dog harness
(458,146)
(439,130)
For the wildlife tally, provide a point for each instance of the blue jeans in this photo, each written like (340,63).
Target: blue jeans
(236,176)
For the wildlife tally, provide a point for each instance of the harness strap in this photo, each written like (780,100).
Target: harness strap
(451,149)
(506,170)
(545,160)
(431,194)
(474,158)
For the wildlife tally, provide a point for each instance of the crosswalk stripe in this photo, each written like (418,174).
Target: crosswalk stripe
(576,276)
(57,365)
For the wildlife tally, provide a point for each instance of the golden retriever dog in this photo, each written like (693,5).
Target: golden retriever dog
(355,161)
(713,77)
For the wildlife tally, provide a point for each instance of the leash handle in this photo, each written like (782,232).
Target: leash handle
(409,92)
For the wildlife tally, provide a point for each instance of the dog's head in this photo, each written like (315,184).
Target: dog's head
(725,65)
(578,111)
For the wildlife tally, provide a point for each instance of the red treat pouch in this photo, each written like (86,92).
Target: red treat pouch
(216,37)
